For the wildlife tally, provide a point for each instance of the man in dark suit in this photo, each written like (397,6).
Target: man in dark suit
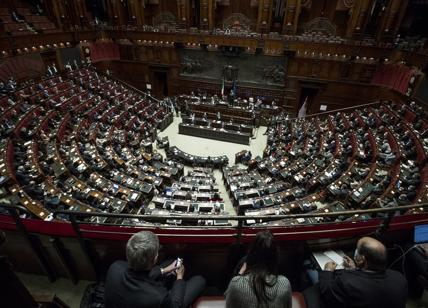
(141,283)
(363,283)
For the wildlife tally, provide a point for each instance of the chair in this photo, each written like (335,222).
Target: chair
(298,301)
(210,302)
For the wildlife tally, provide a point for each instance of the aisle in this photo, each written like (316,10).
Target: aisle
(208,147)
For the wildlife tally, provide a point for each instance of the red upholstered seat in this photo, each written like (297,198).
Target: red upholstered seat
(220,302)
(298,301)
(210,302)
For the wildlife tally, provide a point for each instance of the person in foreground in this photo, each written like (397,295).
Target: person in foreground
(258,284)
(141,283)
(365,281)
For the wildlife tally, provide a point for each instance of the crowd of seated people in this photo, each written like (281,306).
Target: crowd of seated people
(320,37)
(415,43)
(227,108)
(316,36)
(25,20)
(194,193)
(364,158)
(80,140)
(74,142)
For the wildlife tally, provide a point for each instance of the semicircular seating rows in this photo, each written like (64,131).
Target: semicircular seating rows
(83,141)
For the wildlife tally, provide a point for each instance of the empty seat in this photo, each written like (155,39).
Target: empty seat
(4,11)
(220,302)
(23,11)
(44,25)
(6,19)
(298,301)
(210,302)
(36,18)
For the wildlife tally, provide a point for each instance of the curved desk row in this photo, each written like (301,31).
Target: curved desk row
(194,160)
(220,134)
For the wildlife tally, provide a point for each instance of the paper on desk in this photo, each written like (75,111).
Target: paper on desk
(335,256)
(323,258)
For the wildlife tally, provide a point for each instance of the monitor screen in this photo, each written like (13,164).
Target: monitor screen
(181,207)
(3,179)
(421,234)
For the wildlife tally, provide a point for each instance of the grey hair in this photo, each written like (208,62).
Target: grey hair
(141,250)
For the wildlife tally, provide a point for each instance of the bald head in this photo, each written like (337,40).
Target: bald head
(372,254)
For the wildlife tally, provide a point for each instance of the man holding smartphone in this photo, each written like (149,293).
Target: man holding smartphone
(141,283)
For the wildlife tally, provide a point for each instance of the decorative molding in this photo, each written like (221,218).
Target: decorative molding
(237,21)
(306,4)
(321,24)
(348,3)
(165,18)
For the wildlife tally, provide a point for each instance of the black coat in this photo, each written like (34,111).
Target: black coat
(126,288)
(358,288)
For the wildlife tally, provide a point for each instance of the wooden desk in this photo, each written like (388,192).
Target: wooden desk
(176,153)
(213,133)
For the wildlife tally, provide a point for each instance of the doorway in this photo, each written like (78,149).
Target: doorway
(160,84)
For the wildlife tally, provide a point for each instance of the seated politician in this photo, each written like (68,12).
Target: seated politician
(258,283)
(365,281)
(141,283)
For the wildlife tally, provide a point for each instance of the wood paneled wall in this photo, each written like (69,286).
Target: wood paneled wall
(341,83)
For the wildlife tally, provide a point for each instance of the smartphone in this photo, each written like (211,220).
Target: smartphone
(178,262)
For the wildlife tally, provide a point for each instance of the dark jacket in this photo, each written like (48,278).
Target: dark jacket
(126,288)
(358,288)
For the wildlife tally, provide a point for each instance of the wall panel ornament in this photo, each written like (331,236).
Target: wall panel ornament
(306,4)
(237,21)
(348,3)
(223,2)
(321,24)
(254,3)
(165,19)
(258,69)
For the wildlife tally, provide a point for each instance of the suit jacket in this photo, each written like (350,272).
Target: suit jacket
(126,288)
(358,288)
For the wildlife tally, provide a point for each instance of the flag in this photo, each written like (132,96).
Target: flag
(302,111)
(234,88)
(222,87)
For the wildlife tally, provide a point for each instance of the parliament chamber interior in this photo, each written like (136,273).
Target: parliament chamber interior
(211,125)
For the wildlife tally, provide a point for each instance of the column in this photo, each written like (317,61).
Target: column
(357,20)
(291,17)
(207,8)
(392,18)
(58,11)
(183,13)
(264,16)
(81,12)
(114,12)
(136,11)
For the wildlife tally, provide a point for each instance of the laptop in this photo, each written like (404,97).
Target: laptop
(421,237)
(421,234)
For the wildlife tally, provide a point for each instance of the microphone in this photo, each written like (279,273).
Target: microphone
(384,226)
